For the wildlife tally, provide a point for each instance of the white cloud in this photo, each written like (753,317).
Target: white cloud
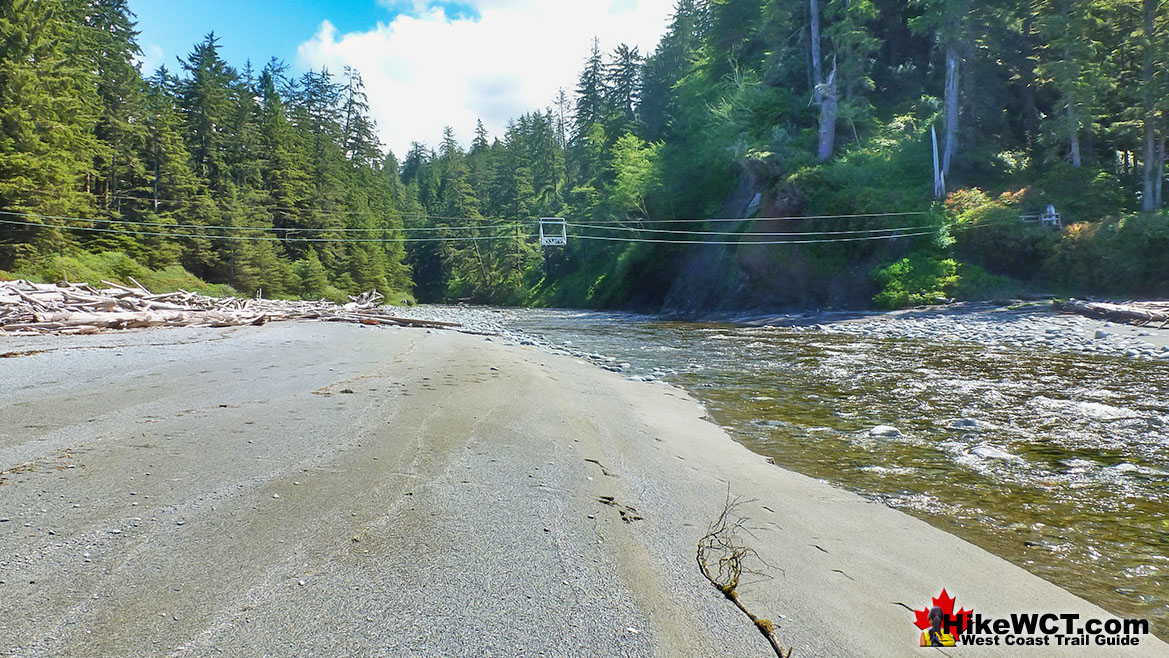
(424,70)
(150,58)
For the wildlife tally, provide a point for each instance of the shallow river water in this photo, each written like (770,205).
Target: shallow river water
(1057,462)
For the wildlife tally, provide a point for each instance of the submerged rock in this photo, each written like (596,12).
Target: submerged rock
(990,452)
(885,431)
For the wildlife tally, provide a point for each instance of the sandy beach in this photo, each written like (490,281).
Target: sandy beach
(323,489)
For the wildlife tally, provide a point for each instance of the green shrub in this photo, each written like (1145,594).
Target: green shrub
(975,283)
(1124,256)
(84,267)
(988,232)
(917,279)
(332,294)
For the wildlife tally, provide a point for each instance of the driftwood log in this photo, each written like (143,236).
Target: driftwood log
(37,308)
(1138,313)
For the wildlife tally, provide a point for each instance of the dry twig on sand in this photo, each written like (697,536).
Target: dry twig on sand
(724,559)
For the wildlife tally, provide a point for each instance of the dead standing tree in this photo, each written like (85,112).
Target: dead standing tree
(724,559)
(823,91)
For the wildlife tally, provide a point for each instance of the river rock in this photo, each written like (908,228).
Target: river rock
(990,452)
(965,424)
(1101,334)
(886,431)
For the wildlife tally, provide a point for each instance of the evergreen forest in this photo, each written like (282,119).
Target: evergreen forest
(766,154)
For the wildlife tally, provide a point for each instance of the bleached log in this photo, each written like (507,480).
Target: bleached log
(1133,313)
(78,308)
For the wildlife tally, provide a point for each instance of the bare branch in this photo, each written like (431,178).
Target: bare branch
(724,560)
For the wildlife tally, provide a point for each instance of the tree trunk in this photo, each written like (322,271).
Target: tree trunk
(1148,198)
(951,148)
(939,181)
(1074,134)
(1030,106)
(817,64)
(1073,119)
(1148,191)
(156,177)
(824,91)
(828,117)
(1159,170)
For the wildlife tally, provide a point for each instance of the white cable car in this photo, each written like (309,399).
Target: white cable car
(553,232)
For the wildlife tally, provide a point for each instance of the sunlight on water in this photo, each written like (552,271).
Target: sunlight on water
(1057,462)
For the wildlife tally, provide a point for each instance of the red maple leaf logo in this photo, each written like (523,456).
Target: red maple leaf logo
(946,603)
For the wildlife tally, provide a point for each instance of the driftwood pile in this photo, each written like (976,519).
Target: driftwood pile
(1138,313)
(35,308)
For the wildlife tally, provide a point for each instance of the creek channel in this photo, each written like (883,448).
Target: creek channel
(1058,462)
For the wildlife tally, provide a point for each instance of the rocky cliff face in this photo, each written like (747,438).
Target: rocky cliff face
(750,278)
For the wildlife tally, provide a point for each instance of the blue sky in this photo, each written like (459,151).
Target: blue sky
(255,29)
(426,63)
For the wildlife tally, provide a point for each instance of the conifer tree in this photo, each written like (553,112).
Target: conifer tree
(48,109)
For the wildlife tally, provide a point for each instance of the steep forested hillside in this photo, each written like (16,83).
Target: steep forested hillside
(814,120)
(159,165)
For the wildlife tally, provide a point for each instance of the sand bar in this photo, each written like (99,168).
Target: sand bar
(316,489)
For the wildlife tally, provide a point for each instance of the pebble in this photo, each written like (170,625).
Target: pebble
(276,495)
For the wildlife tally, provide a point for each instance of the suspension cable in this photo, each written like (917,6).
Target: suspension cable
(257,238)
(778,234)
(131,222)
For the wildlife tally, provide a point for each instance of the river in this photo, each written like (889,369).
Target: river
(1058,462)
